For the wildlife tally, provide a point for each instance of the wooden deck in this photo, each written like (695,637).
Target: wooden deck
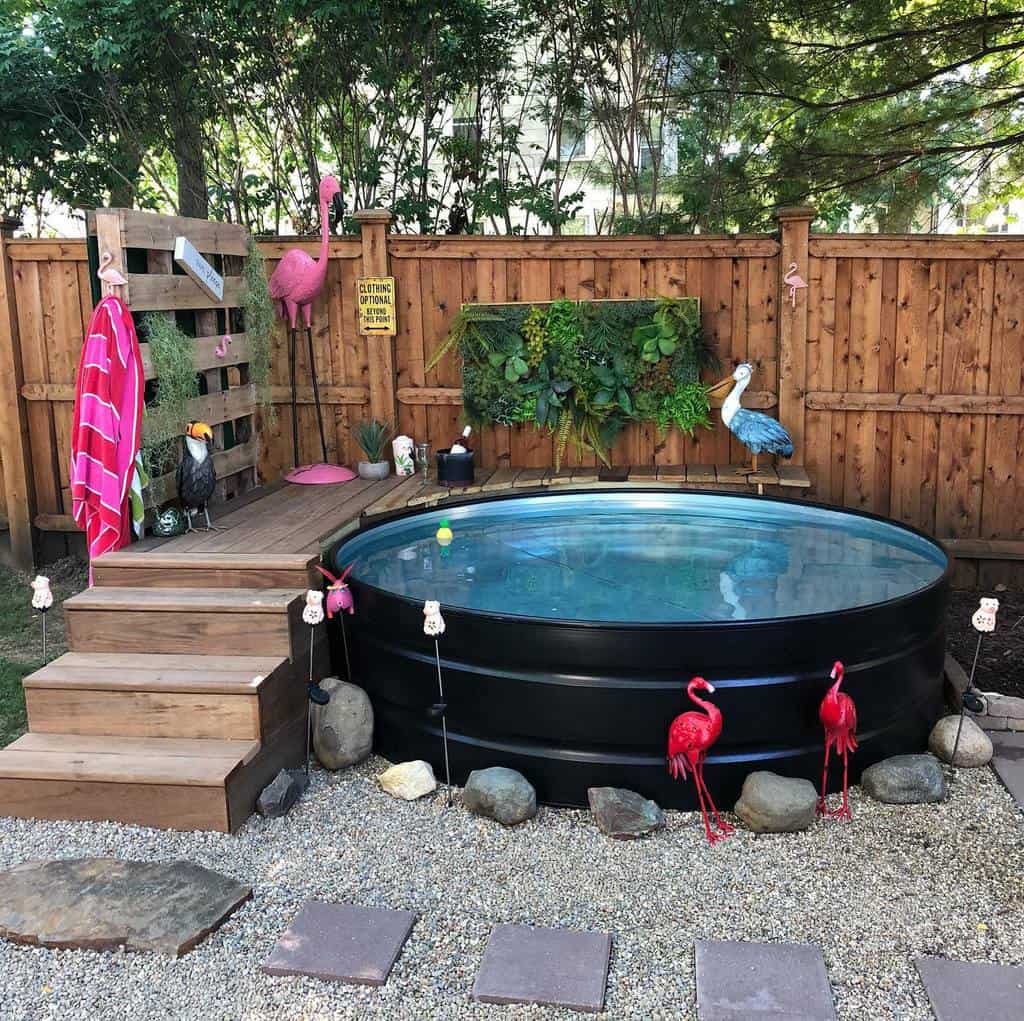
(184,691)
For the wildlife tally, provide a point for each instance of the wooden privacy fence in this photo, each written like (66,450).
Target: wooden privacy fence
(898,370)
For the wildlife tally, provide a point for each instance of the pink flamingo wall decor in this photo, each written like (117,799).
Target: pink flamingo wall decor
(689,738)
(838,716)
(294,285)
(108,273)
(793,281)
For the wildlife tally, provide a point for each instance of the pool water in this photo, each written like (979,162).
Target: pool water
(647,557)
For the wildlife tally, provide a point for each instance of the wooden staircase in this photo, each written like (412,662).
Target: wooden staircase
(182,696)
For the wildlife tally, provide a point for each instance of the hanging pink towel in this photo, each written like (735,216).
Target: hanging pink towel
(107,427)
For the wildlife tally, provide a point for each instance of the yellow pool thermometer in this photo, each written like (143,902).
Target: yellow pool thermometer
(444,533)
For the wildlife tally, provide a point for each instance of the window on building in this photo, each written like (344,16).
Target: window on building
(465,123)
(573,142)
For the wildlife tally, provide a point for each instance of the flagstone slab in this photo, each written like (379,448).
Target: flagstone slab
(103,903)
(341,943)
(739,981)
(1008,762)
(553,967)
(967,991)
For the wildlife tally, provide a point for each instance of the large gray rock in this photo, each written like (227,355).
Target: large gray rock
(905,780)
(770,803)
(501,794)
(342,729)
(624,814)
(975,748)
(281,793)
(103,903)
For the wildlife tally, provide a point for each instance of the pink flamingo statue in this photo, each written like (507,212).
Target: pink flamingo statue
(838,716)
(294,285)
(340,602)
(109,273)
(221,349)
(793,281)
(689,738)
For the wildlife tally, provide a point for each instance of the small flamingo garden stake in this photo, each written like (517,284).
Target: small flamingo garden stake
(433,627)
(42,600)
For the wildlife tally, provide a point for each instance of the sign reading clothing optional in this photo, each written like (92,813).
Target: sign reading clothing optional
(377,306)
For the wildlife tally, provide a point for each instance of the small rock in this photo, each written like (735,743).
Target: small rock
(501,794)
(408,780)
(975,748)
(770,803)
(281,793)
(905,780)
(624,814)
(342,729)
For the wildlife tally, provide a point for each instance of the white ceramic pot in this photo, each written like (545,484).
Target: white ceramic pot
(374,470)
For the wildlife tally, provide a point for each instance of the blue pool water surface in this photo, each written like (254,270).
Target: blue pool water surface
(648,557)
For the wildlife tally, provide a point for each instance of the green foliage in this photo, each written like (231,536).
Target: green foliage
(177,384)
(372,437)
(258,310)
(580,369)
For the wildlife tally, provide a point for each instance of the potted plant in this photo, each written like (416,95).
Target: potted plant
(373,436)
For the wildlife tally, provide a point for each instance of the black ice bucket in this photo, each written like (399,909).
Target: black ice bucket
(454,469)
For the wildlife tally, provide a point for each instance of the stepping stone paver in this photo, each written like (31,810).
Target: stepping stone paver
(341,943)
(553,967)
(1008,762)
(964,991)
(746,981)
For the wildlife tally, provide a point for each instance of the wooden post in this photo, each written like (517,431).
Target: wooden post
(373,229)
(794,237)
(15,452)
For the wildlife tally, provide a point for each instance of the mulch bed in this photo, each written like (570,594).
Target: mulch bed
(1001,664)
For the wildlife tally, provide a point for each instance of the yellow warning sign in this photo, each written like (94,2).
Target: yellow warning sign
(377,306)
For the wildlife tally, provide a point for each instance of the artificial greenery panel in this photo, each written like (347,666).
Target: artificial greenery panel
(583,370)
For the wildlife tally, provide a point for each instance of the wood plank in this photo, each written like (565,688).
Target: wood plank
(205,353)
(395,500)
(951,404)
(986,549)
(160,292)
(640,472)
(727,474)
(429,494)
(562,477)
(931,247)
(165,806)
(672,472)
(701,473)
(794,226)
(421,395)
(531,478)
(143,713)
(503,478)
(225,462)
(184,600)
(704,246)
(793,475)
(152,230)
(765,475)
(480,479)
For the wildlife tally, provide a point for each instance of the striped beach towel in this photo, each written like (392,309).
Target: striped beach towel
(107,428)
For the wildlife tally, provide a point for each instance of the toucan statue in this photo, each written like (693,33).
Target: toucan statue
(196,475)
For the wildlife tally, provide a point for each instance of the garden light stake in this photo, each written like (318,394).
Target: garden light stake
(433,627)
(983,621)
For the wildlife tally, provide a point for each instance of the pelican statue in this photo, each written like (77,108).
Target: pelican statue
(757,432)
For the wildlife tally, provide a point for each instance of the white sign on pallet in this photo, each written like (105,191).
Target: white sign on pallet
(188,258)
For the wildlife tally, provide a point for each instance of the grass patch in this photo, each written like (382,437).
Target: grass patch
(12,700)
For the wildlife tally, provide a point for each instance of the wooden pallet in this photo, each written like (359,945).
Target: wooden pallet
(181,698)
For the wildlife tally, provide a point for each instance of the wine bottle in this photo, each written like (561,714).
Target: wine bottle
(458,447)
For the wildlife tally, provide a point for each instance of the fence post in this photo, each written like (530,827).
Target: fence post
(794,236)
(15,453)
(380,350)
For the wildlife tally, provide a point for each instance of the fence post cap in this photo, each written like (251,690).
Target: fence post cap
(372,216)
(795,213)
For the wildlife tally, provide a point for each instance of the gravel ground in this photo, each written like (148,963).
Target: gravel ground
(898,882)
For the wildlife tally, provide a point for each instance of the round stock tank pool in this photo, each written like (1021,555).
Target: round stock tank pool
(575,620)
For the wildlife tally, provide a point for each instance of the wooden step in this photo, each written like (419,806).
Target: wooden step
(135,569)
(173,621)
(214,697)
(176,783)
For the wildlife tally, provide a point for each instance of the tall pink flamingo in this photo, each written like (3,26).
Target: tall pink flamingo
(294,286)
(689,738)
(838,716)
(793,281)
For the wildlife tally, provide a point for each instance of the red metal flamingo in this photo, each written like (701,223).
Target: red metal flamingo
(689,738)
(838,716)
